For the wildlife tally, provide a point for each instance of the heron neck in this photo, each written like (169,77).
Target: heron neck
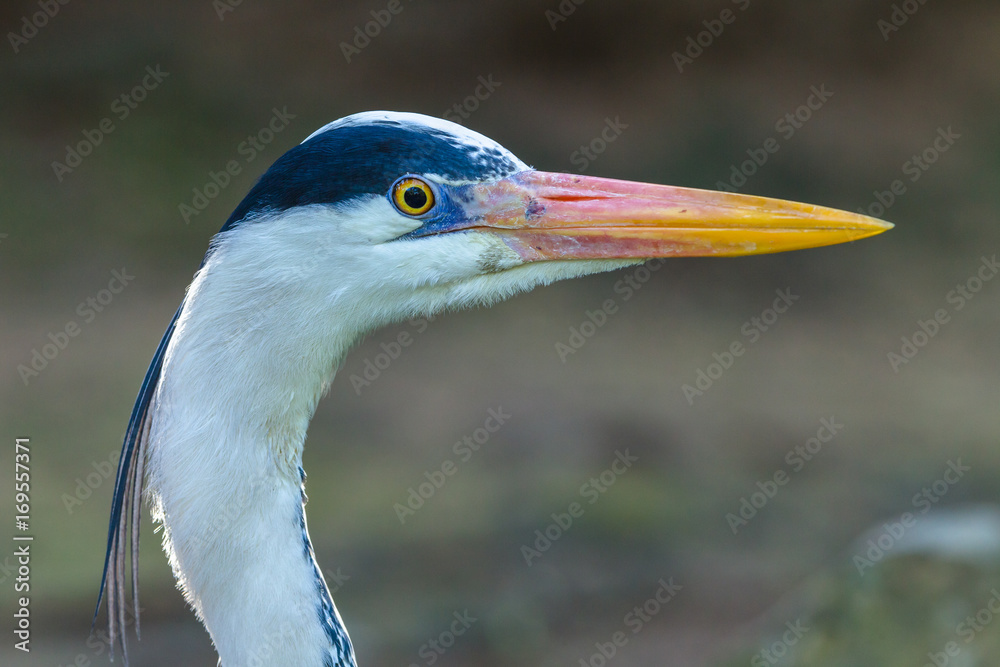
(239,385)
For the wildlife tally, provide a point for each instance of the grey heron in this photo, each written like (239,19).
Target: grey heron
(374,218)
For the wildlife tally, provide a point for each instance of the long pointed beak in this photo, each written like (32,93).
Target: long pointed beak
(546,216)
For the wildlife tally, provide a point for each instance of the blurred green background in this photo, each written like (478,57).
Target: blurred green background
(787,587)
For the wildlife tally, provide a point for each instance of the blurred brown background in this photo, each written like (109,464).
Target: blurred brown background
(785,589)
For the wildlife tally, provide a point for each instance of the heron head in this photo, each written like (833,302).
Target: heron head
(422,214)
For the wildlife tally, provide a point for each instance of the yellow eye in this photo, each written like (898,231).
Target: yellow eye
(412,196)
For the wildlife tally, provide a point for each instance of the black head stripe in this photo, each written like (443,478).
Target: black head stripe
(353,160)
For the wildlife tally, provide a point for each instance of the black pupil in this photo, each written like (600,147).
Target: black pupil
(415,197)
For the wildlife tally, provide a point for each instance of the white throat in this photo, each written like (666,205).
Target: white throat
(264,325)
(240,382)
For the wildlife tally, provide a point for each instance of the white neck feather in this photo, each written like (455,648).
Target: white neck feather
(241,380)
(264,326)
